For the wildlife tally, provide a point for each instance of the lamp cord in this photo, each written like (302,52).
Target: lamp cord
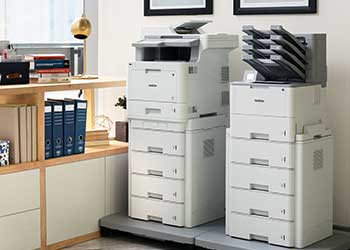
(84,7)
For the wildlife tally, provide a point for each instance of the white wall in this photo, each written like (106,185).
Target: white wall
(121,23)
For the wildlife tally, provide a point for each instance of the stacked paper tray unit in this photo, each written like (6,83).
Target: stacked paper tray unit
(277,54)
(173,156)
(277,163)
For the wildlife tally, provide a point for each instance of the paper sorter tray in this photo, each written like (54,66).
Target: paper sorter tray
(276,68)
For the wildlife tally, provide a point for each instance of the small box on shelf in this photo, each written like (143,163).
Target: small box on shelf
(14,73)
(121,131)
(4,153)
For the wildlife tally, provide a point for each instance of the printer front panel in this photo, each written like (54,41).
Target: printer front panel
(158,82)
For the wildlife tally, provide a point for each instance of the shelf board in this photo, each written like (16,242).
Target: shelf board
(114,148)
(34,88)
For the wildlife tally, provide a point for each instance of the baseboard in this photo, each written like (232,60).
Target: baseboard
(342,228)
(74,241)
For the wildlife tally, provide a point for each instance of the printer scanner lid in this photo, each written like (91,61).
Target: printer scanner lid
(167,42)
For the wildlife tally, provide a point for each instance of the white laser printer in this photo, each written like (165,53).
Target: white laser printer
(178,103)
(279,175)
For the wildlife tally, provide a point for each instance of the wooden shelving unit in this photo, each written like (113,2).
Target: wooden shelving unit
(34,94)
(114,148)
(30,89)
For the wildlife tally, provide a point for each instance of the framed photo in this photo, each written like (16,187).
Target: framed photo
(253,7)
(178,7)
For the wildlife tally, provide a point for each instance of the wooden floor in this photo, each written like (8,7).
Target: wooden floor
(125,242)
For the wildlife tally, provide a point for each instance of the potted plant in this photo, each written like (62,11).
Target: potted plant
(121,127)
(121,103)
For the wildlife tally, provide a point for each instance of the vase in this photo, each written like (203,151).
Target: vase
(124,115)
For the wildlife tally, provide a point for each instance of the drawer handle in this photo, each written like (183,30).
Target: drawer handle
(155,196)
(258,187)
(153,85)
(258,237)
(152,111)
(155,150)
(259,136)
(155,173)
(260,213)
(259,162)
(152,70)
(155,218)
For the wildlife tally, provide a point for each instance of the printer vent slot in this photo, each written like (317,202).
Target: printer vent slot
(209,148)
(318,159)
(192,70)
(225,74)
(225,98)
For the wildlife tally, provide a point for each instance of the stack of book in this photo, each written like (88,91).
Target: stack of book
(65,127)
(49,68)
(19,127)
(97,137)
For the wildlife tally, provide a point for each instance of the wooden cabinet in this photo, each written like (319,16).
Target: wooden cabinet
(20,231)
(79,194)
(19,192)
(75,199)
(20,211)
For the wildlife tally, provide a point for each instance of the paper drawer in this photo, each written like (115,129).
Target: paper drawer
(157,125)
(263,127)
(263,204)
(151,110)
(152,81)
(160,142)
(263,229)
(160,165)
(152,210)
(158,188)
(263,153)
(261,100)
(262,178)
(152,85)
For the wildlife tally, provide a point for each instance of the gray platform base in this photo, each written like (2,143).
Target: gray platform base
(208,236)
(154,230)
(216,239)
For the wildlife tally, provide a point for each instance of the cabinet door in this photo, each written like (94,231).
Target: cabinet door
(20,231)
(21,191)
(116,183)
(75,196)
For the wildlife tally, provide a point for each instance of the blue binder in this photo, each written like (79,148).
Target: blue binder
(68,125)
(57,129)
(48,130)
(80,125)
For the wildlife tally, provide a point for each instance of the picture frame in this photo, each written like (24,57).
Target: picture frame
(177,7)
(252,7)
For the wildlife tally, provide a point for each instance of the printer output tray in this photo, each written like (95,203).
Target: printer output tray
(277,67)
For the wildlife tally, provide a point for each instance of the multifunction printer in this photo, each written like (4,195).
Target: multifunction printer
(178,105)
(279,169)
